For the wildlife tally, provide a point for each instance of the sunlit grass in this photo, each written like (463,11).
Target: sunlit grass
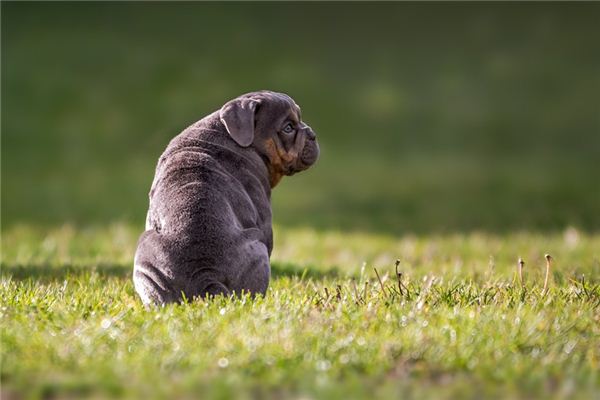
(337,320)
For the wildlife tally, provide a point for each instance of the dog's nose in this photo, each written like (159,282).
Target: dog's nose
(309,132)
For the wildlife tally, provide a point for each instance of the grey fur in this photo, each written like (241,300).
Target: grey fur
(208,228)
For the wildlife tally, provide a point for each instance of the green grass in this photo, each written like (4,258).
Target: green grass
(461,326)
(454,137)
(431,117)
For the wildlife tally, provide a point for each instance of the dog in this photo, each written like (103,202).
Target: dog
(208,227)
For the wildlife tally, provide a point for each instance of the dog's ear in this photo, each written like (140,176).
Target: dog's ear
(238,117)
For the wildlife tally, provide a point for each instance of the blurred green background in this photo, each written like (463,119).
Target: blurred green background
(432,117)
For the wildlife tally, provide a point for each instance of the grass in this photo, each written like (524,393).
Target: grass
(335,323)
(431,117)
(456,138)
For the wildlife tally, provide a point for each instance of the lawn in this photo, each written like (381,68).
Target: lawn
(455,138)
(440,117)
(456,324)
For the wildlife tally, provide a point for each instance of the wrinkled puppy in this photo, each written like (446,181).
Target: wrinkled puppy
(208,229)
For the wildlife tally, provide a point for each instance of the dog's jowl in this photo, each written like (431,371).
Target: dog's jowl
(208,229)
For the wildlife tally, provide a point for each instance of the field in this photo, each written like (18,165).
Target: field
(455,139)
(457,323)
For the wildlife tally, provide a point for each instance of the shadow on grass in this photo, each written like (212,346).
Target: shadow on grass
(48,272)
(280,270)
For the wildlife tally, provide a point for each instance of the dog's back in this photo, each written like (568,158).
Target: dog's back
(208,229)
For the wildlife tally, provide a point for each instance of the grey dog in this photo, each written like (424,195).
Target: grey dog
(208,228)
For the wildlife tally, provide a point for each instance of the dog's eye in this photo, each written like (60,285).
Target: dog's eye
(289,128)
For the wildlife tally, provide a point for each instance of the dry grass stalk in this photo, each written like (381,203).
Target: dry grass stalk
(548,261)
(520,266)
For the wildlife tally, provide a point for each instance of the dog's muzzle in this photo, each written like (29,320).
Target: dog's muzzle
(310,151)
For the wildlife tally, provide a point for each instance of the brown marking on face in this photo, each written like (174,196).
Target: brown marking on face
(275,165)
(280,160)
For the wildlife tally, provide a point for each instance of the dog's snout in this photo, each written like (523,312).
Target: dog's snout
(310,133)
(310,152)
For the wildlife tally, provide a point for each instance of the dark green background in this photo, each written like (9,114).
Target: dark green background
(431,117)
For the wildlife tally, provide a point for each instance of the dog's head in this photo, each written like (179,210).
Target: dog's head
(272,124)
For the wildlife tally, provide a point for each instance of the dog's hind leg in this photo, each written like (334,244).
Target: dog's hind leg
(150,272)
(215,289)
